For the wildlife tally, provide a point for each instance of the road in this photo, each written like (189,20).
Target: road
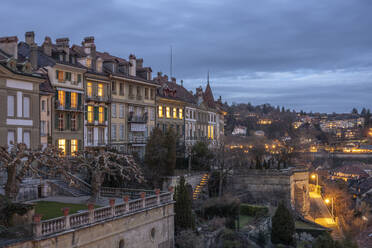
(321,215)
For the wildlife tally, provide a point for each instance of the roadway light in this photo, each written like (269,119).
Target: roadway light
(327,201)
(313,176)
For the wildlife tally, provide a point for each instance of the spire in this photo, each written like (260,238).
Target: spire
(208,77)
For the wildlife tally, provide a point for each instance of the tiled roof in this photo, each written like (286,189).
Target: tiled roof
(208,97)
(349,169)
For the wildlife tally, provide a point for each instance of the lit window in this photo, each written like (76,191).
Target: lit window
(175,113)
(168,112)
(89,89)
(60,76)
(74,146)
(90,114)
(100,90)
(62,145)
(74,99)
(160,111)
(61,98)
(100,115)
(89,62)
(180,114)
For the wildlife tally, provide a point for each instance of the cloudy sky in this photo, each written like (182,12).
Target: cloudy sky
(313,55)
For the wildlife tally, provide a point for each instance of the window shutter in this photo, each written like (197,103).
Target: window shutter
(56,143)
(86,113)
(68,99)
(80,123)
(57,71)
(79,78)
(79,100)
(68,120)
(68,147)
(56,121)
(80,145)
(96,113)
(105,114)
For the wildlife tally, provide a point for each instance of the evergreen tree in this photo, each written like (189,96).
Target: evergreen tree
(183,218)
(283,226)
(170,146)
(354,111)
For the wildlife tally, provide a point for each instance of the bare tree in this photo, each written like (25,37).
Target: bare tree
(102,163)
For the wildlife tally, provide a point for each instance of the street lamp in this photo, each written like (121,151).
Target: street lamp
(327,201)
(315,176)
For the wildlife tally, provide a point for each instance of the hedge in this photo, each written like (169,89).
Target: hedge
(252,210)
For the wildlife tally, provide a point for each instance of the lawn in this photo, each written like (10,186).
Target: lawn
(50,210)
(244,220)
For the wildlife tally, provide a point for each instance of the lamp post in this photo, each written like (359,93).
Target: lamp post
(315,176)
(327,201)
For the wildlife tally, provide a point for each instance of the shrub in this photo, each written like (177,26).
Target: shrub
(283,226)
(251,210)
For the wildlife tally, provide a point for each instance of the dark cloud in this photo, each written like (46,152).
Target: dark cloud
(276,51)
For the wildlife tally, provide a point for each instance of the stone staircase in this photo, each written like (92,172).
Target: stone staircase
(66,189)
(198,189)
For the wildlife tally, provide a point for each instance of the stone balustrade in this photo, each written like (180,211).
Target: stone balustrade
(91,216)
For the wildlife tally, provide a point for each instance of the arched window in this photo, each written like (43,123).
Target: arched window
(121,243)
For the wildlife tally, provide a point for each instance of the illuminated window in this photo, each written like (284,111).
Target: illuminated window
(100,115)
(74,146)
(100,90)
(61,98)
(180,114)
(89,89)
(167,109)
(74,96)
(90,114)
(62,145)
(59,76)
(161,112)
(175,113)
(89,62)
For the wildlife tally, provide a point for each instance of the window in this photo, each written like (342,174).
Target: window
(62,145)
(152,114)
(74,97)
(11,105)
(43,105)
(11,135)
(26,107)
(89,62)
(121,132)
(74,146)
(113,131)
(100,90)
(113,87)
(90,135)
(100,115)
(146,93)
(121,113)
(160,111)
(73,122)
(42,128)
(180,114)
(175,113)
(89,89)
(68,76)
(26,138)
(168,112)
(130,90)
(101,136)
(121,243)
(113,110)
(59,75)
(121,89)
(139,91)
(79,78)
(152,94)
(90,114)
(60,122)
(61,98)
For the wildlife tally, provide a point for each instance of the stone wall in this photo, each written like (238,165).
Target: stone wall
(148,228)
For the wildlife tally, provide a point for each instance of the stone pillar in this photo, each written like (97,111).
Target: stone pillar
(171,190)
(91,213)
(157,192)
(112,205)
(36,225)
(67,218)
(126,201)
(143,196)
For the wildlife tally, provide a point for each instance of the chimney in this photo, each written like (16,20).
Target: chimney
(89,46)
(181,82)
(47,46)
(30,37)
(33,55)
(139,63)
(10,45)
(132,66)
(63,45)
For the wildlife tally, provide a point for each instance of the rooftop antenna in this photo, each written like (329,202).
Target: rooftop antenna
(171,61)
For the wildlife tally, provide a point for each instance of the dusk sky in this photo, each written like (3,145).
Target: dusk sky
(312,55)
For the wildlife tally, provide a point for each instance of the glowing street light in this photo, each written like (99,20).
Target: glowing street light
(315,176)
(327,201)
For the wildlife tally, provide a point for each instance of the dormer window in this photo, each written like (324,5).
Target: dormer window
(89,62)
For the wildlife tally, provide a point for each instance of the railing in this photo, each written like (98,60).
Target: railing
(137,139)
(91,216)
(69,108)
(79,183)
(120,192)
(139,119)
(97,98)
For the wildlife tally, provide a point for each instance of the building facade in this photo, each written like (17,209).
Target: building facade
(19,91)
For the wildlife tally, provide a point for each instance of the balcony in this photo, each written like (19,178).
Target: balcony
(137,139)
(137,119)
(69,108)
(96,143)
(104,99)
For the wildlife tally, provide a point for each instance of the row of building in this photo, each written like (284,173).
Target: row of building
(76,97)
